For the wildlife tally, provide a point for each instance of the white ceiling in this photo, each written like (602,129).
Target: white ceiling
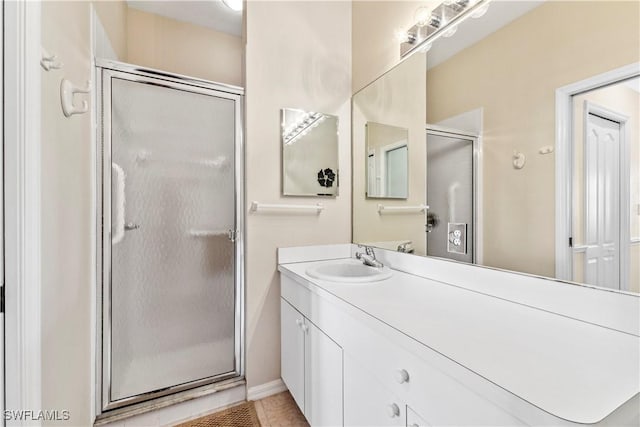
(206,13)
(499,14)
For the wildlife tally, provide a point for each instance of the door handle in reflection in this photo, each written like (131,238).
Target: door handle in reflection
(432,221)
(131,226)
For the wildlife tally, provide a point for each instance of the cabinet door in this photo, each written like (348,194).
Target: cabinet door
(323,378)
(366,401)
(415,420)
(292,351)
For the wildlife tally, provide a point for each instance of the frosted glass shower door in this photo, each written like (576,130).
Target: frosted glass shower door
(172,295)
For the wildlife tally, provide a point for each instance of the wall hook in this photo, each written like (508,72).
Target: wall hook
(519,160)
(49,62)
(547,149)
(67,92)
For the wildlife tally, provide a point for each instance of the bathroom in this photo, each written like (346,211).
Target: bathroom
(503,239)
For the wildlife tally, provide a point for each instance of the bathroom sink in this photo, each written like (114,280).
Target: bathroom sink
(348,271)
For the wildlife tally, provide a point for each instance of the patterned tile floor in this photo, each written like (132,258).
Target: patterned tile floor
(280,410)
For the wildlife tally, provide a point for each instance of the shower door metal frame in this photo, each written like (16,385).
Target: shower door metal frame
(105,71)
(476,141)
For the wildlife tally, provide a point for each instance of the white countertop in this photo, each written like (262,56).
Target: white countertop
(575,370)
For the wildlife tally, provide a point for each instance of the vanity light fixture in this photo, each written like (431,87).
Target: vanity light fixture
(442,21)
(302,127)
(424,17)
(235,5)
(404,37)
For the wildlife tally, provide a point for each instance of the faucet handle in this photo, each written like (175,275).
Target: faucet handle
(367,249)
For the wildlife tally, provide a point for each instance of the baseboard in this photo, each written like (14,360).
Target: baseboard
(265,390)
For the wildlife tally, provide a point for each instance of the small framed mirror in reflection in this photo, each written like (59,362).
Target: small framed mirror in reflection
(387,160)
(309,153)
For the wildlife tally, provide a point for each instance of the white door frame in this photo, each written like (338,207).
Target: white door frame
(22,207)
(564,160)
(2,383)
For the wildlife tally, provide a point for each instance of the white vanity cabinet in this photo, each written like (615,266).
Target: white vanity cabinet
(311,368)
(352,355)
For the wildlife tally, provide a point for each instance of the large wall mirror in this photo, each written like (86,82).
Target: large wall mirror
(526,147)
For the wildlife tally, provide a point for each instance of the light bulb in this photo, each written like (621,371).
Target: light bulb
(426,48)
(401,36)
(235,5)
(450,31)
(422,16)
(481,11)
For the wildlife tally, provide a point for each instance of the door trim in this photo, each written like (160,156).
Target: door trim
(477,182)
(22,191)
(104,70)
(564,159)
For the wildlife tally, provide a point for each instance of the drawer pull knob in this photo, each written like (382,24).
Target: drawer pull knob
(402,376)
(393,410)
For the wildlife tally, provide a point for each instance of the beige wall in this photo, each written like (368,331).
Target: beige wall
(66,220)
(374,46)
(113,16)
(391,100)
(625,101)
(178,47)
(513,75)
(298,55)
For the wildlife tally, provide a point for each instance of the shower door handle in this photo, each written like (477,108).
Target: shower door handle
(118,234)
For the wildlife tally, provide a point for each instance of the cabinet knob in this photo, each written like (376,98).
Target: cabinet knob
(393,410)
(402,376)
(305,328)
(299,322)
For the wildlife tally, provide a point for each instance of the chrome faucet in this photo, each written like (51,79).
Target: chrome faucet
(369,257)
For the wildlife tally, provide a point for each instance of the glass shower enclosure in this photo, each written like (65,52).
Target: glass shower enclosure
(170,220)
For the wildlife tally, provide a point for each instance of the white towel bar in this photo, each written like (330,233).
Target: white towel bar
(418,208)
(207,233)
(257,206)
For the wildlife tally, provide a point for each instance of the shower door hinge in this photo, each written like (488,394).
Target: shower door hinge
(233,234)
(570,242)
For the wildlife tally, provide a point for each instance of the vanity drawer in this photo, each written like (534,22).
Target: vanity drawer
(367,402)
(415,420)
(437,396)
(297,295)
